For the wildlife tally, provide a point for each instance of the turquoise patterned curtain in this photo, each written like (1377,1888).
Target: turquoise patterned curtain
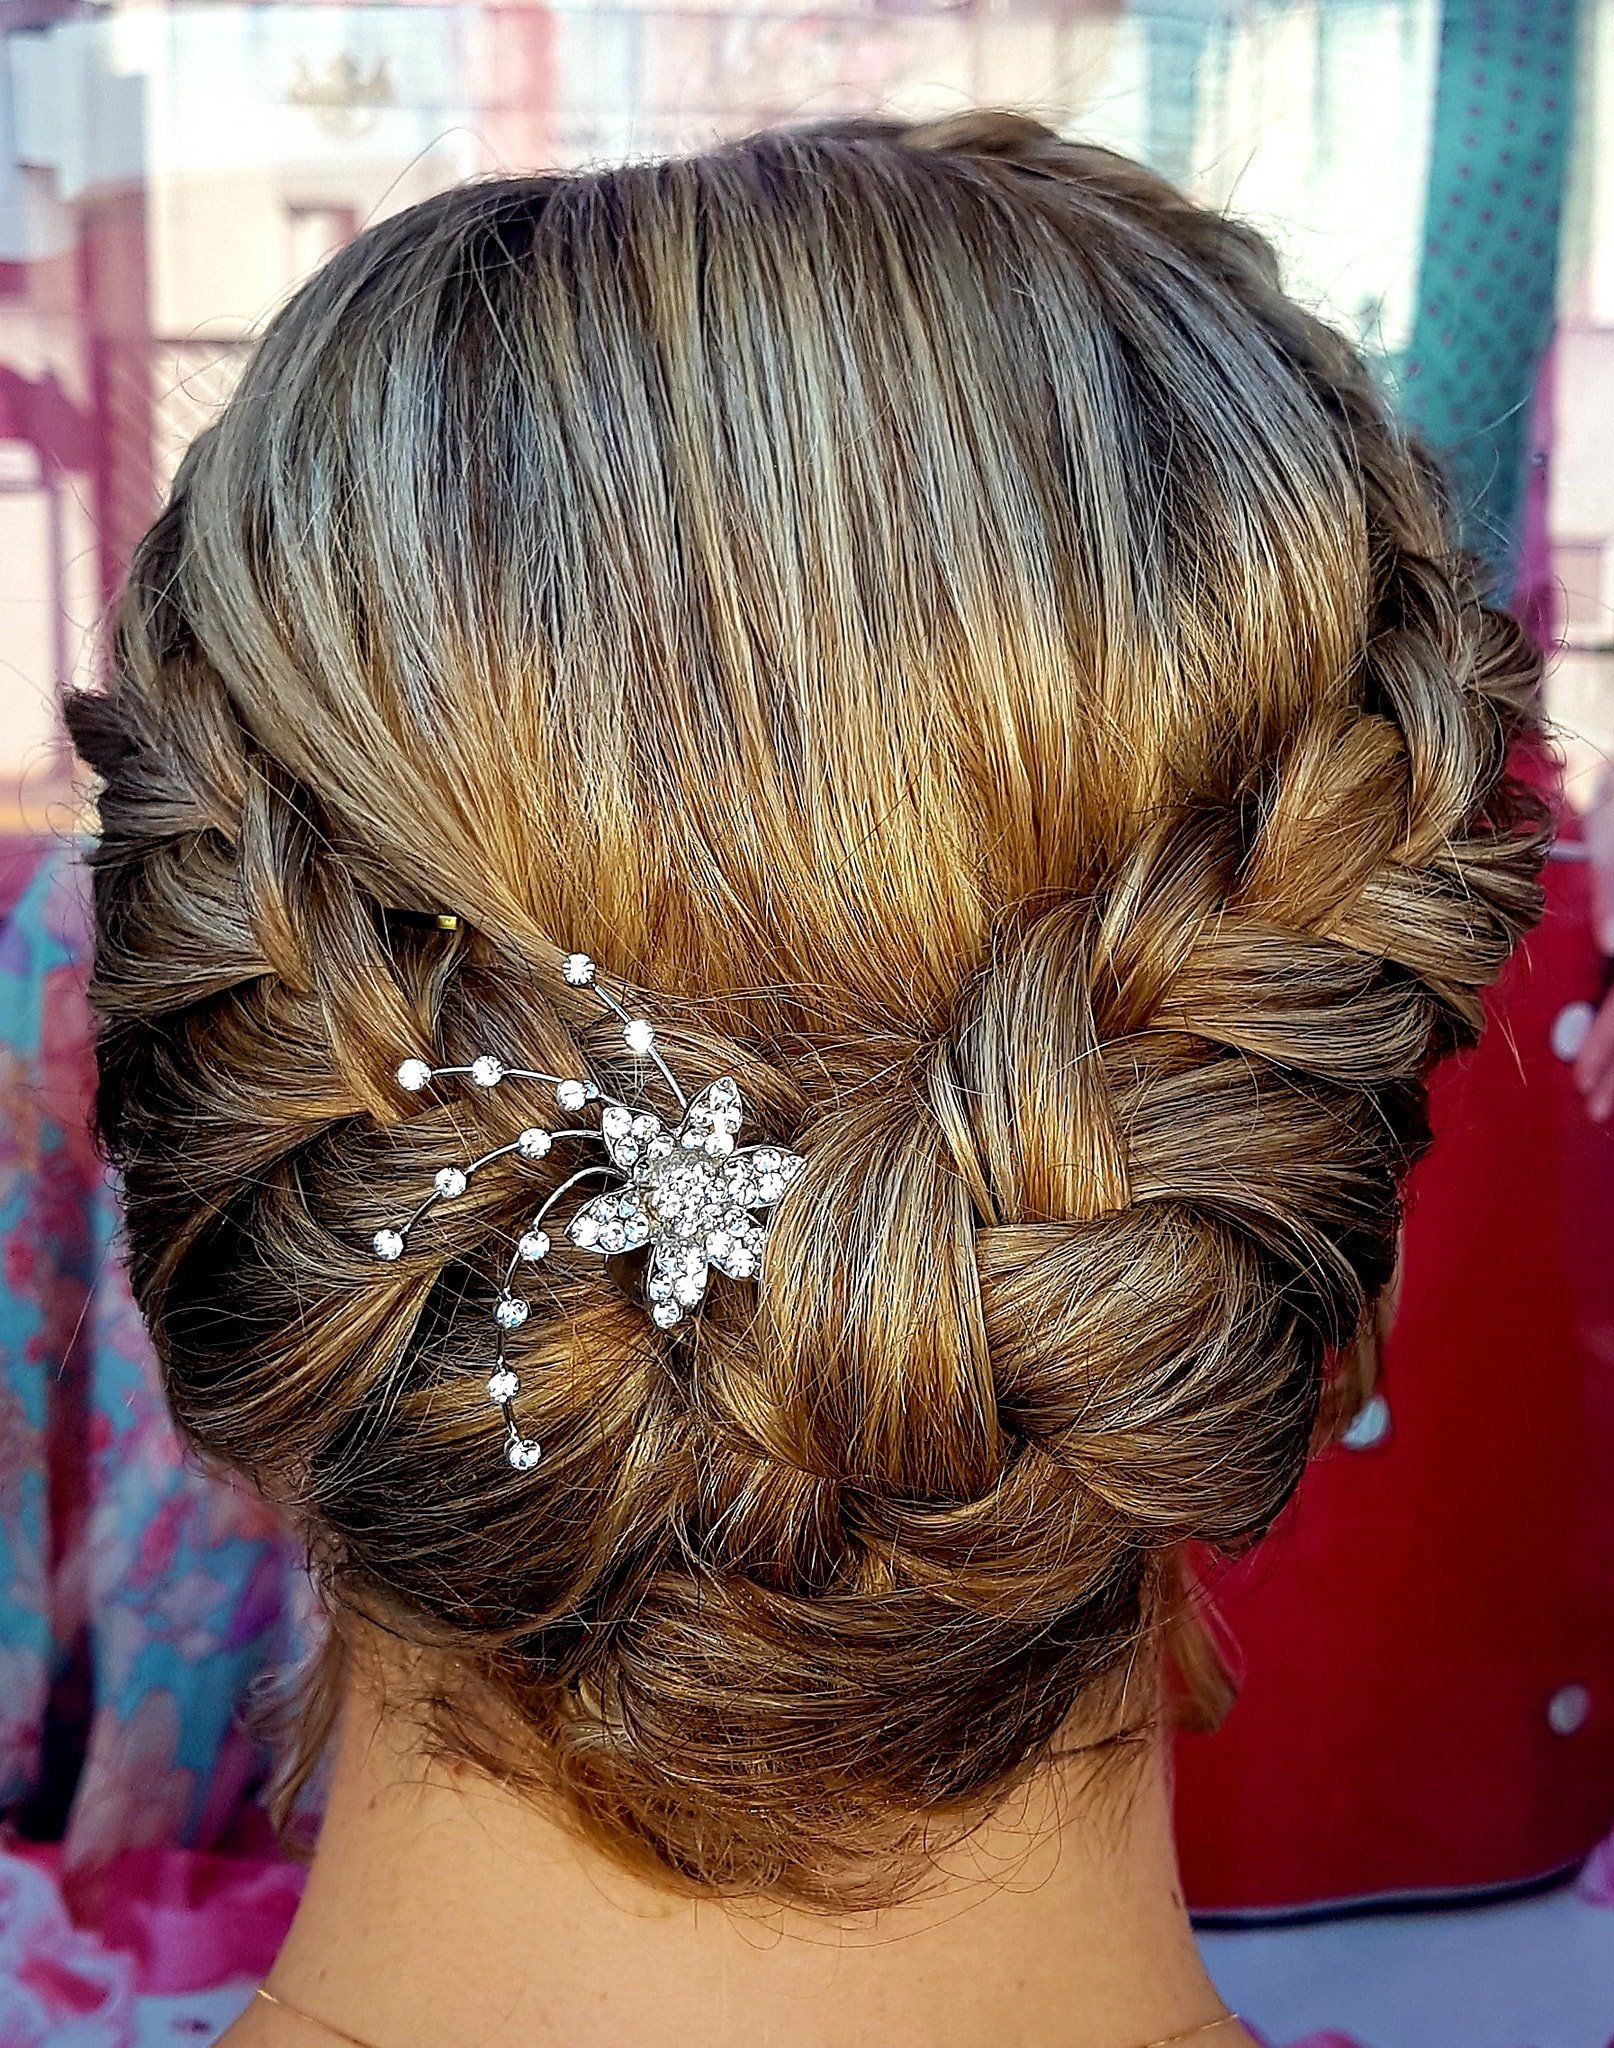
(1488,274)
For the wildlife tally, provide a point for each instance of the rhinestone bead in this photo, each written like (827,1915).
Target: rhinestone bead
(719,1244)
(578,969)
(585,1231)
(617,1121)
(486,1072)
(413,1075)
(504,1386)
(449,1181)
(688,1290)
(718,1109)
(388,1244)
(612,1236)
(718,1143)
(665,1314)
(534,1246)
(533,1142)
(523,1452)
(645,1127)
(510,1312)
(639,1035)
(571,1094)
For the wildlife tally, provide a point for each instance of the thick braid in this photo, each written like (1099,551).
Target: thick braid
(978,666)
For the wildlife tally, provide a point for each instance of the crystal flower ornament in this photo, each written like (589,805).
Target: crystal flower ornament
(683,1193)
(687,1194)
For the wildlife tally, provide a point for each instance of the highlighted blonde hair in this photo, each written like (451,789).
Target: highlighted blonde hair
(923,606)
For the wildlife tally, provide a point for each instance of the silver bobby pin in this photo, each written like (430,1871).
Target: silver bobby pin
(682,1192)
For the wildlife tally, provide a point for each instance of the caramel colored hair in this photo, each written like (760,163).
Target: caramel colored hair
(922,607)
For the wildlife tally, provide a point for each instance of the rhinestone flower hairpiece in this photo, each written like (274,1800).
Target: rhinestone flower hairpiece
(684,1192)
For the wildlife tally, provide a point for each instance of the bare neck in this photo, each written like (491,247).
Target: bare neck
(445,1910)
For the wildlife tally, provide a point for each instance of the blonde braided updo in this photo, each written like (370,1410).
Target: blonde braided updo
(922,606)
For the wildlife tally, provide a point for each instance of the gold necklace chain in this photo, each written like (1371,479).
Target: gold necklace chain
(325,2027)
(1226,2019)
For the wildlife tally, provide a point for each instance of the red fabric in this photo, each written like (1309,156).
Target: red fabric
(1406,1627)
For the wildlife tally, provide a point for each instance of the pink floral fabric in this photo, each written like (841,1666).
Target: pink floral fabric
(140,1601)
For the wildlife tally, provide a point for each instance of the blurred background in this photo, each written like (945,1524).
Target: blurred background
(1427,1644)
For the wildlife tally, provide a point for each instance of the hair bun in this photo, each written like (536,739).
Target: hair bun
(926,610)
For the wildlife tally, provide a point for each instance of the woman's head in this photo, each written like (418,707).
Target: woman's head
(929,616)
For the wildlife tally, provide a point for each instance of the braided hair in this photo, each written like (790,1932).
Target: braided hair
(924,607)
